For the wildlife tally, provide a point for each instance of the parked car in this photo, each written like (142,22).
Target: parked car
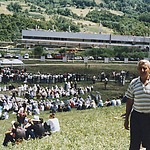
(17,56)
(99,58)
(131,59)
(8,55)
(58,56)
(0,55)
(49,56)
(112,59)
(78,58)
(117,58)
(26,56)
(90,58)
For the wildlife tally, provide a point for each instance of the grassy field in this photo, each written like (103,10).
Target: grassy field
(113,89)
(78,66)
(80,12)
(92,129)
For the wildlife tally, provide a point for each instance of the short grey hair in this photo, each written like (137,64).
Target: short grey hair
(144,61)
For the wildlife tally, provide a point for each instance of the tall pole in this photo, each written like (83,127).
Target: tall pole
(100,28)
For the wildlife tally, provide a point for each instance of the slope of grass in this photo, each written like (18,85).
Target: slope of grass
(38,15)
(3,8)
(97,129)
(92,129)
(79,11)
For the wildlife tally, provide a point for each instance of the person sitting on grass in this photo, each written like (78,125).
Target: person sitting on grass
(22,113)
(100,103)
(26,126)
(37,127)
(108,103)
(9,135)
(53,123)
(15,135)
(20,133)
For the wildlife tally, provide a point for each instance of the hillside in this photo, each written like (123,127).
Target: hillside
(128,17)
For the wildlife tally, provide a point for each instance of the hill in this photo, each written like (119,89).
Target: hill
(116,17)
(98,129)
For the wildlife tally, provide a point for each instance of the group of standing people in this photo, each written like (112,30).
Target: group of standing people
(21,75)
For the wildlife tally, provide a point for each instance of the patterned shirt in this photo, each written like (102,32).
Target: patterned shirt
(140,93)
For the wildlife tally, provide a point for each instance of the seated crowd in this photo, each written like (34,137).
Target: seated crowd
(54,99)
(31,100)
(31,129)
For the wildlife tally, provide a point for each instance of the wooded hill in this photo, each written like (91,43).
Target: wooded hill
(126,17)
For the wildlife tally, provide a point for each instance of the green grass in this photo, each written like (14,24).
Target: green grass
(113,89)
(97,129)
(93,129)
(92,67)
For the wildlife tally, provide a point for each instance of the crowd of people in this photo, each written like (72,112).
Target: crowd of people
(30,99)
(55,99)
(30,128)
(8,74)
(21,75)
(26,128)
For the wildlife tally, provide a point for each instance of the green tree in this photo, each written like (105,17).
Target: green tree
(15,7)
(145,17)
(62,51)
(38,51)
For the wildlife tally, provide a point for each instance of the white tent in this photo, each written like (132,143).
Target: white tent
(5,61)
(11,62)
(16,62)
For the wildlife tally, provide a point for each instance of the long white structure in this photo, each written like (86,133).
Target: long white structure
(44,37)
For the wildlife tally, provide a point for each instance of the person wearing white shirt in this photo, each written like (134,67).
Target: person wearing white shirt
(53,123)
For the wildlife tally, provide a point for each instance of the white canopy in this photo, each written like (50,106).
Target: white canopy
(11,62)
(5,61)
(16,61)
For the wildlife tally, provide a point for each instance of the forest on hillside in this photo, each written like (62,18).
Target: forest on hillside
(135,18)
